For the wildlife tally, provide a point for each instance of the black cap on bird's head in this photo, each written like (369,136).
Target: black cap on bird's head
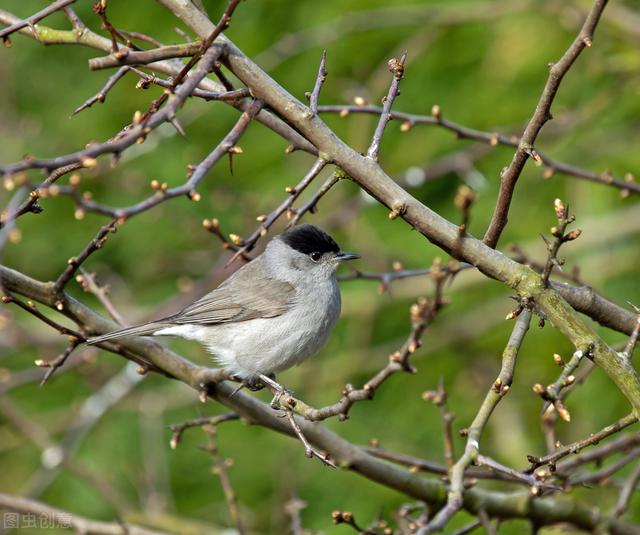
(310,240)
(307,239)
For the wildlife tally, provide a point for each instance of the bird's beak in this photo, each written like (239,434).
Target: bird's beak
(341,257)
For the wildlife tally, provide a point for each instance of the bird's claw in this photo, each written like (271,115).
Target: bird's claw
(277,388)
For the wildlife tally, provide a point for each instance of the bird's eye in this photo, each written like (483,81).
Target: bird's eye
(315,256)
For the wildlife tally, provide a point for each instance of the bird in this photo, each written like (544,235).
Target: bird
(270,315)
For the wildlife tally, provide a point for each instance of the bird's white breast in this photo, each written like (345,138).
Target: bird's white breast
(270,345)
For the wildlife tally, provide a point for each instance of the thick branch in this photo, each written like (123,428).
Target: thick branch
(144,57)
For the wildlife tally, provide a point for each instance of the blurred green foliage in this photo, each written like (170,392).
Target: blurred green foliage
(485,64)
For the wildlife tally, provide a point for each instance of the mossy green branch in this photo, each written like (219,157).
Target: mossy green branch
(583,337)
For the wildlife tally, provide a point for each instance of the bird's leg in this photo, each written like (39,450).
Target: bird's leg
(277,388)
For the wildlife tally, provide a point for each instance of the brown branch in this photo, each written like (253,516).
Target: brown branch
(147,79)
(492,139)
(575,447)
(130,136)
(179,429)
(89,284)
(163,192)
(633,338)
(396,66)
(439,399)
(100,9)
(32,309)
(604,474)
(504,474)
(31,202)
(101,95)
(596,455)
(213,226)
(558,232)
(309,450)
(59,361)
(266,222)
(74,263)
(312,204)
(542,114)
(33,19)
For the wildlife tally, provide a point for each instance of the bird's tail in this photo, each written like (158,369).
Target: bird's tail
(138,330)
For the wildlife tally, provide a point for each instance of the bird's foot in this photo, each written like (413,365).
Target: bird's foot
(277,389)
(253,382)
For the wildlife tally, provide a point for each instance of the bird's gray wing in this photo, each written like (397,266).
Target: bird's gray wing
(248,294)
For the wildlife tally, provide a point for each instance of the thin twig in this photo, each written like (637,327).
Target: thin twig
(74,263)
(89,284)
(492,139)
(541,115)
(178,429)
(147,79)
(439,399)
(322,76)
(558,232)
(597,455)
(137,131)
(497,391)
(396,66)
(604,474)
(633,339)
(422,313)
(59,361)
(309,450)
(312,203)
(575,447)
(101,95)
(220,468)
(266,222)
(628,489)
(31,202)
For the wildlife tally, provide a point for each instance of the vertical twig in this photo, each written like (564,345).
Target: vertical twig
(220,466)
(497,391)
(322,76)
(396,66)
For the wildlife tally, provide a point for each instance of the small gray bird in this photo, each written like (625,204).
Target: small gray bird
(270,315)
